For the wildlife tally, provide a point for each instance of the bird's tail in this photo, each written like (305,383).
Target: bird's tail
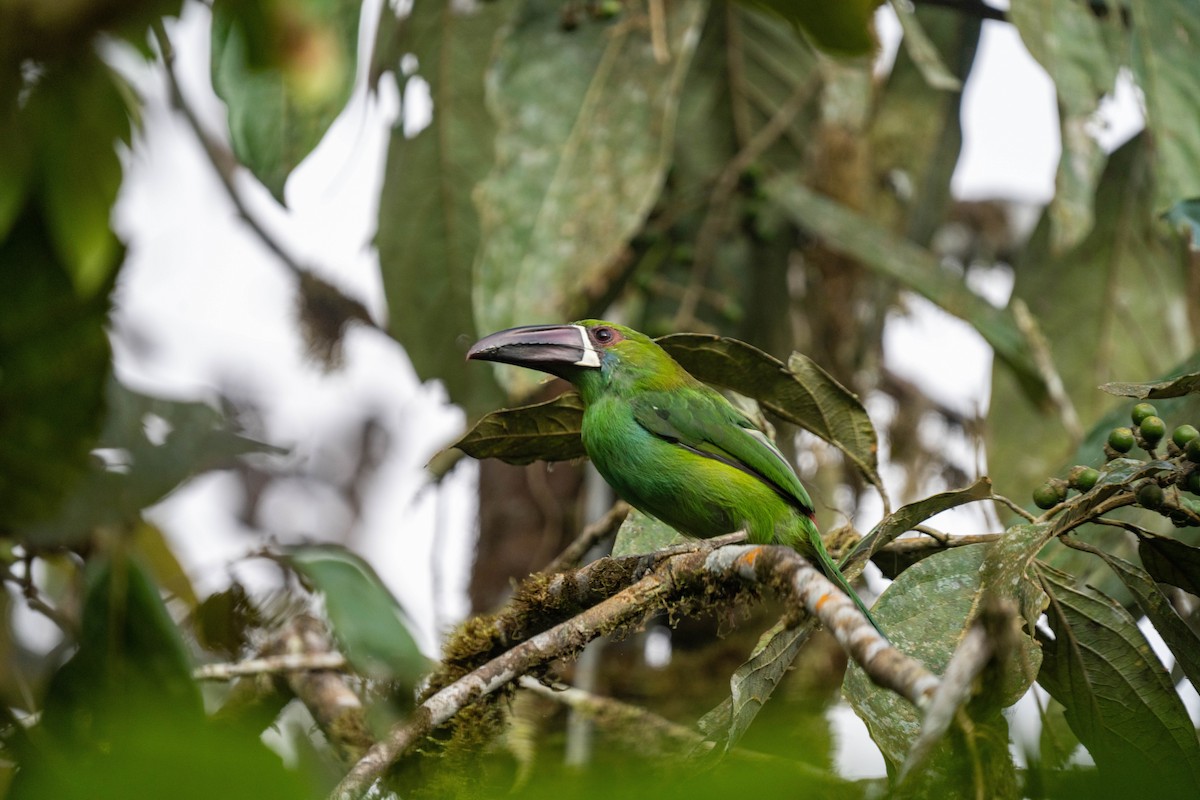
(831,570)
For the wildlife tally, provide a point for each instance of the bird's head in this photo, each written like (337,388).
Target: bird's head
(592,354)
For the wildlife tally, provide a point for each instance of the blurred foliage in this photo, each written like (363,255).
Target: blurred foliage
(747,170)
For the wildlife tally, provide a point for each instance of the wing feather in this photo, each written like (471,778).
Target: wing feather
(704,422)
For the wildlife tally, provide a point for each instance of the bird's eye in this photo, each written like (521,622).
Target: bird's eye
(604,335)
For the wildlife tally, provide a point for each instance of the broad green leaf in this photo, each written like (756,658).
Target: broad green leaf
(903,519)
(1123,319)
(923,52)
(800,392)
(1176,387)
(546,431)
(154,445)
(226,621)
(54,359)
(366,619)
(123,717)
(16,166)
(585,135)
(753,683)
(640,534)
(843,28)
(285,71)
(151,546)
(1154,604)
(77,116)
(926,611)
(428,232)
(1166,61)
(916,133)
(1172,562)
(1057,742)
(914,268)
(1067,40)
(1119,699)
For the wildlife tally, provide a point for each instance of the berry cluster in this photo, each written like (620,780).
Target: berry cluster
(1147,432)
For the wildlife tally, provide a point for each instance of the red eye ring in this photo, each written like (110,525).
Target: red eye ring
(605,335)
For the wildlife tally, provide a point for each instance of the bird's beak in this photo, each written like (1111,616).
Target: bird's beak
(548,348)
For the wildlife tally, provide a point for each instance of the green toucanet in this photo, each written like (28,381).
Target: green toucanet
(668,444)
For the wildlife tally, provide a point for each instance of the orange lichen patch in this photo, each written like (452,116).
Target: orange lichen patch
(750,556)
(822,600)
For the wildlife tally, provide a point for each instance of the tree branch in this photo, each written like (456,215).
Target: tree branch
(687,574)
(592,535)
(270,665)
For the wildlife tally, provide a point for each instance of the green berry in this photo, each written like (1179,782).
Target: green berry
(1152,429)
(1184,434)
(1193,450)
(1082,478)
(1048,495)
(1192,481)
(1141,411)
(1150,495)
(1121,440)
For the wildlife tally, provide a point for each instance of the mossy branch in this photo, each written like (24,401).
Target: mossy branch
(697,573)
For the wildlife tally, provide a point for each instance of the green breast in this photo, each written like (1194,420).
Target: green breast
(697,495)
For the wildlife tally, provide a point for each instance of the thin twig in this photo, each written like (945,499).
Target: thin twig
(931,532)
(225,165)
(920,545)
(592,535)
(1040,349)
(1137,530)
(33,598)
(1013,506)
(658,32)
(597,707)
(270,665)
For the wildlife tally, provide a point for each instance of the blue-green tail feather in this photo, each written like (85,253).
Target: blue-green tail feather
(811,541)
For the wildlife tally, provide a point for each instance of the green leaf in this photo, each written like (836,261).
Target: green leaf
(123,717)
(195,438)
(753,683)
(1154,604)
(1057,742)
(428,232)
(285,71)
(915,134)
(585,135)
(78,116)
(903,519)
(366,619)
(1171,561)
(1126,294)
(546,431)
(844,28)
(640,534)
(1184,215)
(1067,40)
(1119,699)
(922,51)
(1165,64)
(151,546)
(54,359)
(800,392)
(914,268)
(1176,387)
(927,610)
(16,166)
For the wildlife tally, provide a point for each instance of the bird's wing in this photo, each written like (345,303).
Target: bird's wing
(705,423)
